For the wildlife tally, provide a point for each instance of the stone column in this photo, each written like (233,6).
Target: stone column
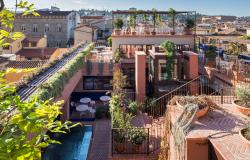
(65,111)
(140,76)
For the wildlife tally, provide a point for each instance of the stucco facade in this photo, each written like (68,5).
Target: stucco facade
(153,40)
(58,26)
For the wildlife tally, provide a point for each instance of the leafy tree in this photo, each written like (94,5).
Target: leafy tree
(7,19)
(170,53)
(24,125)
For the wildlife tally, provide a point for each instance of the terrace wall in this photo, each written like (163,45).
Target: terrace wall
(154,40)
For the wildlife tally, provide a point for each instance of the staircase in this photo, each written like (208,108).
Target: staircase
(201,85)
(154,114)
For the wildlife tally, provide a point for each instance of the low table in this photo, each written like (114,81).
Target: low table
(82,108)
(85,100)
(105,98)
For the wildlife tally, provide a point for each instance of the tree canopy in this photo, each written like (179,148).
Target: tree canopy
(24,125)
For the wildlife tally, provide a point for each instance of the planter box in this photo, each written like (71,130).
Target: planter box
(243,110)
(200,113)
(243,138)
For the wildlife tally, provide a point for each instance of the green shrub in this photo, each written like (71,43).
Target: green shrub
(137,136)
(243,94)
(110,41)
(133,108)
(102,112)
(118,23)
(119,136)
(55,84)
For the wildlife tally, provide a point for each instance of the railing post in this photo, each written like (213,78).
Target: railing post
(222,94)
(112,142)
(148,143)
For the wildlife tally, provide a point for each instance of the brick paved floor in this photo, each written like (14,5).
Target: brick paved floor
(100,144)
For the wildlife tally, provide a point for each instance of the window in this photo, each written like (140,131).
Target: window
(162,70)
(59,28)
(58,44)
(97,83)
(23,27)
(34,27)
(46,28)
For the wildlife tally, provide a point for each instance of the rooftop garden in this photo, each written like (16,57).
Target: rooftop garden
(153,22)
(55,84)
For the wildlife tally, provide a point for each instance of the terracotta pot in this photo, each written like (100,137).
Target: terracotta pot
(136,148)
(246,141)
(201,112)
(187,31)
(210,63)
(119,147)
(133,33)
(117,31)
(243,110)
(172,32)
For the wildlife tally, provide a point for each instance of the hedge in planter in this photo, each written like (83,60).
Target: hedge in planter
(55,85)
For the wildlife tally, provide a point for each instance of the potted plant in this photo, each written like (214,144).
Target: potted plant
(210,54)
(189,25)
(118,23)
(132,23)
(154,20)
(137,136)
(119,138)
(117,56)
(202,102)
(173,14)
(145,21)
(245,135)
(133,108)
(243,102)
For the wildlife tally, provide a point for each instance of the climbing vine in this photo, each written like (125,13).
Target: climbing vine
(170,53)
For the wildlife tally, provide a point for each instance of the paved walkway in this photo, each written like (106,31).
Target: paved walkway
(100,144)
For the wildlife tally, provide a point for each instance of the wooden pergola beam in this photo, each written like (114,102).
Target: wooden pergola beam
(149,12)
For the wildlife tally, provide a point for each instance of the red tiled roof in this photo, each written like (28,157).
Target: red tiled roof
(25,64)
(36,52)
(92,17)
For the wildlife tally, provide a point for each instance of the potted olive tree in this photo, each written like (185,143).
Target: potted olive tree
(173,14)
(118,23)
(243,102)
(245,135)
(119,138)
(132,23)
(189,26)
(137,137)
(210,54)
(154,20)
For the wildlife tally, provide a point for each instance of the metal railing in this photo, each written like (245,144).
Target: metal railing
(121,142)
(201,85)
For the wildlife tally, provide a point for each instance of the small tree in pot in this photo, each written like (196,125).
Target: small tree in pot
(173,14)
(189,25)
(118,24)
(137,137)
(243,102)
(210,56)
(119,138)
(132,23)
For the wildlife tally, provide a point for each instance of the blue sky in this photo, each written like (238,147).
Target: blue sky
(211,7)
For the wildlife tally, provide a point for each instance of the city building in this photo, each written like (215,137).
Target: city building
(57,26)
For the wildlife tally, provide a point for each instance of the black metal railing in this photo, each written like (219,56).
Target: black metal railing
(123,143)
(201,85)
